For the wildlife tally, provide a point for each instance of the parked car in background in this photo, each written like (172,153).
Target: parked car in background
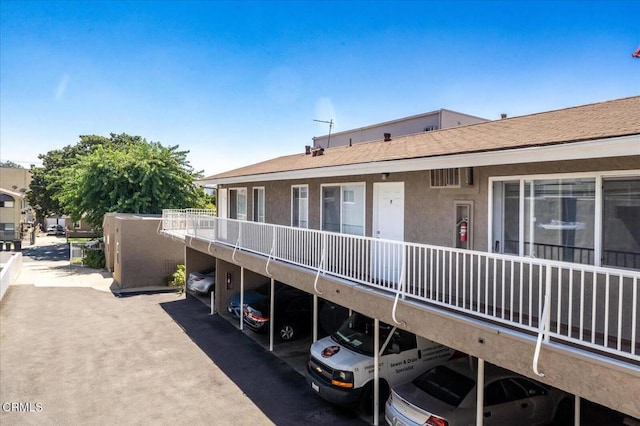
(55,230)
(293,312)
(202,282)
(252,296)
(446,396)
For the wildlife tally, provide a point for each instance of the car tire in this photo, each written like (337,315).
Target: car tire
(365,405)
(286,332)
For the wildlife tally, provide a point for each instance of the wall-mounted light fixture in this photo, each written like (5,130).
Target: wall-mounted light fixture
(468,178)
(385,176)
(229,280)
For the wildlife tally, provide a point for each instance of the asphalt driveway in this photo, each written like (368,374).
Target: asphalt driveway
(79,355)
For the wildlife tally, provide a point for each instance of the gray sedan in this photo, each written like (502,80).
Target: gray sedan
(446,396)
(202,282)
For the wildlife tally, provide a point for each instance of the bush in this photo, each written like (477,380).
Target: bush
(178,278)
(94,259)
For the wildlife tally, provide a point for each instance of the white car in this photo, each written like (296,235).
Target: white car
(55,230)
(446,396)
(202,282)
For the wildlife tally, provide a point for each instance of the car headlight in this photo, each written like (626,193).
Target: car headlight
(343,379)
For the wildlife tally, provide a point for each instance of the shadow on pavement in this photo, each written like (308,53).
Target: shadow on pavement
(279,391)
(57,251)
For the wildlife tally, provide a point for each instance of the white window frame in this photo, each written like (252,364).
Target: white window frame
(306,221)
(342,202)
(240,191)
(598,176)
(257,202)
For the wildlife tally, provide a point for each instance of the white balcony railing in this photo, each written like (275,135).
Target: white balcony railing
(592,307)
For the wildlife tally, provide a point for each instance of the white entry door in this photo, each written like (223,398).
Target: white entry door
(388,224)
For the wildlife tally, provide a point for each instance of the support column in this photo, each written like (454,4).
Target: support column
(480,393)
(376,370)
(242,298)
(315,318)
(271,318)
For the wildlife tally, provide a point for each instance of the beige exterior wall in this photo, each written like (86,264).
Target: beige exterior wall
(12,215)
(14,177)
(16,181)
(135,253)
(429,212)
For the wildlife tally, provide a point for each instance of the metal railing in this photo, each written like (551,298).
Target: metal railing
(612,258)
(592,307)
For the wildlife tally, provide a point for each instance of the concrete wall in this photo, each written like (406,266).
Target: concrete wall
(10,267)
(136,254)
(109,234)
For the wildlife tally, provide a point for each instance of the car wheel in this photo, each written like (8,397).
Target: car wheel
(286,332)
(366,399)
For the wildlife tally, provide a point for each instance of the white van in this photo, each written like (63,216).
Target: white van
(340,367)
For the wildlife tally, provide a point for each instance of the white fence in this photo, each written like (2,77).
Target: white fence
(592,307)
(9,272)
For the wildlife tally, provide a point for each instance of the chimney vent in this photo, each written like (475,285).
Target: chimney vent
(387,137)
(503,116)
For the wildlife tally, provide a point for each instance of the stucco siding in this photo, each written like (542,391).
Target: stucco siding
(136,254)
(429,215)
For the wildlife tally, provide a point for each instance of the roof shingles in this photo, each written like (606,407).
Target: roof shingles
(602,120)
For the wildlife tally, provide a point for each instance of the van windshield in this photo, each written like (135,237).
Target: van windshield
(357,334)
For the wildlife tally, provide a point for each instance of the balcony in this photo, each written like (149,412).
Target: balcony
(591,308)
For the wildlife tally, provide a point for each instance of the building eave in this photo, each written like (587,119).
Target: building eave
(622,146)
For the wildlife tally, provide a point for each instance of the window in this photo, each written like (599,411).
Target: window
(6,200)
(559,218)
(343,208)
(620,224)
(502,391)
(7,231)
(238,203)
(446,385)
(445,178)
(348,196)
(300,206)
(258,205)
(403,339)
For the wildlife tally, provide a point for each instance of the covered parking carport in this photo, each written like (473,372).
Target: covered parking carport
(232,278)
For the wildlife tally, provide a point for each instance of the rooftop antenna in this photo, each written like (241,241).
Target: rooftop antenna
(330,123)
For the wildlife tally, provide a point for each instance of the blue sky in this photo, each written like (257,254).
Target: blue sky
(240,82)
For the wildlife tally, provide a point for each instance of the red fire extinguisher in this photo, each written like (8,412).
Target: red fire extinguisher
(463,230)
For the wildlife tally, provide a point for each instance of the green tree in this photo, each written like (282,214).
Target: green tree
(10,164)
(142,177)
(45,183)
